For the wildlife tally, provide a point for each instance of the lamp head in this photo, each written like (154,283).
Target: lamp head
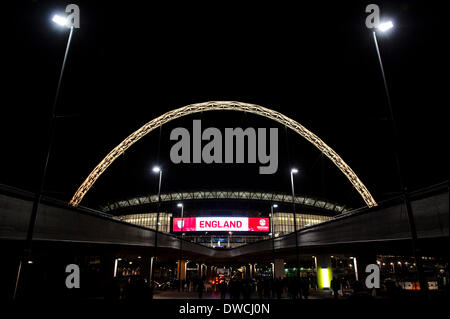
(60,20)
(383,27)
(156,169)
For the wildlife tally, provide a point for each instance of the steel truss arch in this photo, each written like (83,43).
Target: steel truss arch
(223,106)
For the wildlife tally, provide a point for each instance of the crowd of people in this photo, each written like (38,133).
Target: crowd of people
(267,288)
(262,288)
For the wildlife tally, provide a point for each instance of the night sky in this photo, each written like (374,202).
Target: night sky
(317,64)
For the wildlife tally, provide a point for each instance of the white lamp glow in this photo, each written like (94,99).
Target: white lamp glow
(385,26)
(62,21)
(156,169)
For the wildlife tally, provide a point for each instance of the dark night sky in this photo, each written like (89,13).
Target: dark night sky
(315,63)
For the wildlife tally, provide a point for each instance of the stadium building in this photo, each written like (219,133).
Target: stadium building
(274,210)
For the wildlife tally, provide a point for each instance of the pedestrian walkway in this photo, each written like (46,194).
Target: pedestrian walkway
(174,294)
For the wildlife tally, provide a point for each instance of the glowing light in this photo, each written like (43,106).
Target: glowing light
(385,26)
(62,21)
(115,268)
(294,171)
(156,169)
(222,106)
(325,278)
(179,205)
(275,205)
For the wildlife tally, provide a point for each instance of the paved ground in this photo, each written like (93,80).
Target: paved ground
(174,294)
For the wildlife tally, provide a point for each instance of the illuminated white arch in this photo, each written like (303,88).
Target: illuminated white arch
(222,106)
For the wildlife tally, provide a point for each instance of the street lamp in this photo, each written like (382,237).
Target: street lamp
(272,229)
(180,205)
(26,258)
(156,170)
(383,27)
(295,171)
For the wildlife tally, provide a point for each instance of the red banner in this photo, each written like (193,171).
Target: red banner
(252,224)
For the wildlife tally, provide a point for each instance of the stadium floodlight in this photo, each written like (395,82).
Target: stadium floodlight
(59,20)
(385,26)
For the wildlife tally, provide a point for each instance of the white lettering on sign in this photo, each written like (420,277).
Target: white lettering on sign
(222,224)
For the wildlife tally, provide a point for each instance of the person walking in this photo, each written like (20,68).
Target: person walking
(335,286)
(201,287)
(223,289)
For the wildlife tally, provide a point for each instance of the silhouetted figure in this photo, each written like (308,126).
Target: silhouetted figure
(201,287)
(246,289)
(304,286)
(335,286)
(293,288)
(235,289)
(278,288)
(223,289)
(259,287)
(266,288)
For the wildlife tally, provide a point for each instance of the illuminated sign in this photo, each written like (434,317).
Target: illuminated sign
(251,224)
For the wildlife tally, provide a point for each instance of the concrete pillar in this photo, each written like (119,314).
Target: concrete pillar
(181,273)
(324,271)
(279,268)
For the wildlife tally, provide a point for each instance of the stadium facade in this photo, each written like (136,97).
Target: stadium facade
(143,211)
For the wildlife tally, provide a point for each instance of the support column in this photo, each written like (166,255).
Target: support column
(279,268)
(324,271)
(146,266)
(181,273)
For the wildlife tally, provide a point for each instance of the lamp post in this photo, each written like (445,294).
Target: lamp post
(272,229)
(295,171)
(156,170)
(181,245)
(26,257)
(383,27)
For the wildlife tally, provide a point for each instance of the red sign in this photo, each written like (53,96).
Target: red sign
(233,224)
